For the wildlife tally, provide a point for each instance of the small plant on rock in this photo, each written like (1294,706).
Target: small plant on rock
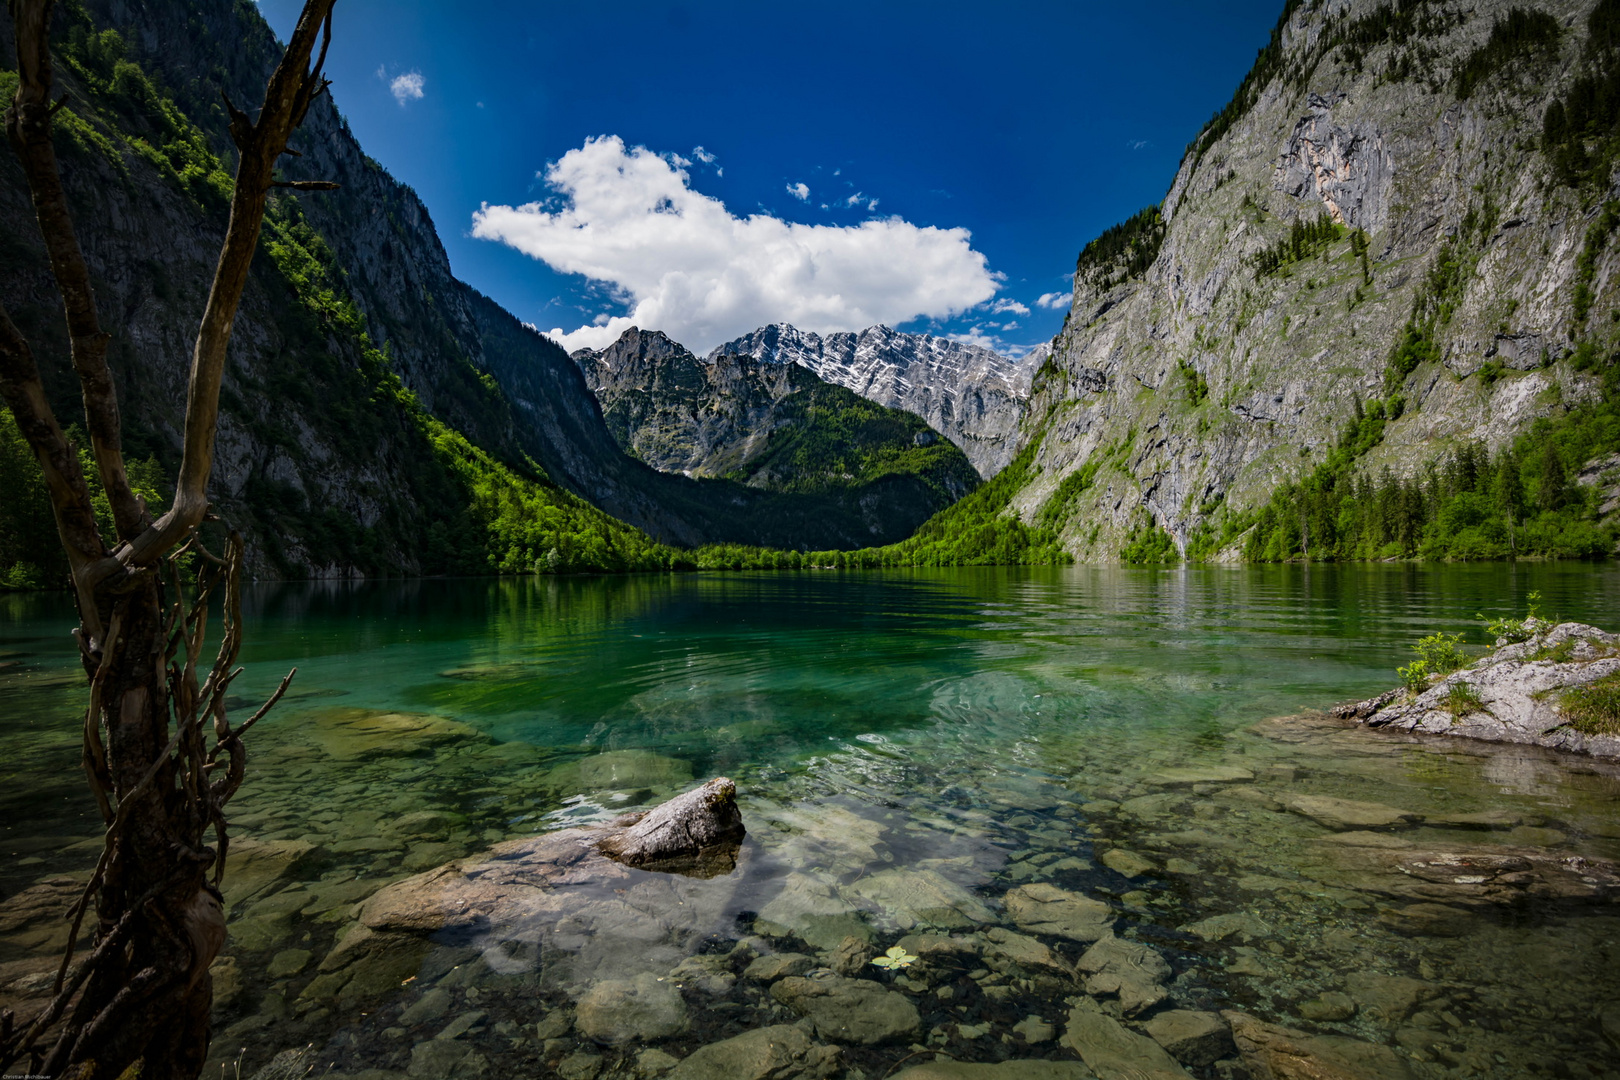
(895,959)
(1462,699)
(1438,654)
(1513,631)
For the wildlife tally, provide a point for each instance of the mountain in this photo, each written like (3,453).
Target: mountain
(775,428)
(1375,316)
(378,416)
(973,396)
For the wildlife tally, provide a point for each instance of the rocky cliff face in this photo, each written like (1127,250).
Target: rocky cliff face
(973,396)
(682,415)
(777,428)
(1207,358)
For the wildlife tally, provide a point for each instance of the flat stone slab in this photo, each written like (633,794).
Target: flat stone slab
(911,898)
(1283,1052)
(1129,970)
(849,1010)
(1128,863)
(1191,1037)
(1201,774)
(1027,952)
(767,1053)
(1114,1052)
(1047,909)
(1002,1070)
(1343,814)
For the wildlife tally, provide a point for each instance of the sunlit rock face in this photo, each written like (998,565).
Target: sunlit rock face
(973,396)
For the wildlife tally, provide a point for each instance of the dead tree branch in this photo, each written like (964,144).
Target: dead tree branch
(142,996)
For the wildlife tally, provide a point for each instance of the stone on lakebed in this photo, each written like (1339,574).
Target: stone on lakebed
(849,1010)
(1047,909)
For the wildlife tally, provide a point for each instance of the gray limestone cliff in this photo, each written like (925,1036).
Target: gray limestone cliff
(972,396)
(1193,376)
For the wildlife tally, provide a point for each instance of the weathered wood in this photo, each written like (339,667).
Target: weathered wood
(696,833)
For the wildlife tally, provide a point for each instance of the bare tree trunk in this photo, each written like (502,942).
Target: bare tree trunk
(143,994)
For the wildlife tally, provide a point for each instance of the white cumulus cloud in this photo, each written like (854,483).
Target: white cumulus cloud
(703,155)
(1004,305)
(407,87)
(800,191)
(1054,300)
(687,266)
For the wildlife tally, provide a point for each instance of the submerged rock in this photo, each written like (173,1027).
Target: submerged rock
(1114,1052)
(1344,814)
(780,1052)
(1025,952)
(555,892)
(643,1009)
(778,966)
(632,769)
(1128,969)
(1517,689)
(347,733)
(1273,1052)
(811,908)
(1047,909)
(910,898)
(1128,863)
(1191,1037)
(1003,1070)
(849,1010)
(1201,774)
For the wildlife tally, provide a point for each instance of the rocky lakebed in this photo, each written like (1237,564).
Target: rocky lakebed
(996,894)
(1210,919)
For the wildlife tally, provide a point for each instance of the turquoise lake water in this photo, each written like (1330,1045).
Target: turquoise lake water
(998,727)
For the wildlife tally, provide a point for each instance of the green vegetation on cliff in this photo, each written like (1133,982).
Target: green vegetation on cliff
(831,438)
(467,511)
(1520,37)
(1521,500)
(1580,132)
(1122,251)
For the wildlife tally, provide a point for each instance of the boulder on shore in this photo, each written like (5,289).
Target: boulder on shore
(1515,694)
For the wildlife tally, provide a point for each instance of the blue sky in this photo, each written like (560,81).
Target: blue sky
(935,166)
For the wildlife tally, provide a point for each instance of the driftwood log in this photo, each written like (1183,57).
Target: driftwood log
(697,833)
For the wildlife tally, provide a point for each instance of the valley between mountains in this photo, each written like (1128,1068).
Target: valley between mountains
(1374,316)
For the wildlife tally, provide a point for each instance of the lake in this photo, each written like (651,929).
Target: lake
(923,758)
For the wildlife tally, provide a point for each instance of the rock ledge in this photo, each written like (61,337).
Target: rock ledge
(1518,687)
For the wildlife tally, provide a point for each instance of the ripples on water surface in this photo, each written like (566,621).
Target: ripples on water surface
(909,747)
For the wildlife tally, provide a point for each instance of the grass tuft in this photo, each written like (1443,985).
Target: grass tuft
(1462,699)
(1593,709)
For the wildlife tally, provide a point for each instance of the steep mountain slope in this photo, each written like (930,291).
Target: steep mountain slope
(972,396)
(1375,235)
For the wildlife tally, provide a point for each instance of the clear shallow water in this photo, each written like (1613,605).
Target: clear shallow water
(995,728)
